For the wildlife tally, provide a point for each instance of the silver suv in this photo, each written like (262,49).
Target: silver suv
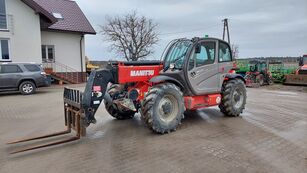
(23,77)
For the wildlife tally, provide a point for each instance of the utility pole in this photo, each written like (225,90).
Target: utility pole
(226,28)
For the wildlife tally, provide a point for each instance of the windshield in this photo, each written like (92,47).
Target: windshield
(176,54)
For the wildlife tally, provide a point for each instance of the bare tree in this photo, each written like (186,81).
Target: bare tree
(132,36)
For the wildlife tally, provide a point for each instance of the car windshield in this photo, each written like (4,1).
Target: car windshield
(176,53)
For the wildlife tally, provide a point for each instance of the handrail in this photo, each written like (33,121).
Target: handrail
(70,68)
(65,72)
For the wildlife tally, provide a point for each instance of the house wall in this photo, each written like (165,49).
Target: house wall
(23,32)
(67,48)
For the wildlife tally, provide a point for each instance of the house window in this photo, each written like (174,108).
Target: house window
(48,53)
(4,50)
(3,19)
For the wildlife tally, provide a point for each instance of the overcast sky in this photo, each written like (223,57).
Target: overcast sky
(260,27)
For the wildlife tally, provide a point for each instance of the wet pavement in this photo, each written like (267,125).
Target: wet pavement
(271,136)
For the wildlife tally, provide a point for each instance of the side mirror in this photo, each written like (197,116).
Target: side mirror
(198,48)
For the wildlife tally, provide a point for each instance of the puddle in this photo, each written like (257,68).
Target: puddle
(282,93)
(205,116)
(96,135)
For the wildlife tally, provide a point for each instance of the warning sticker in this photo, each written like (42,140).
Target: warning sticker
(96,102)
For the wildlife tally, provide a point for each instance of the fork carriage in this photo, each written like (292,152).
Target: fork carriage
(73,111)
(74,121)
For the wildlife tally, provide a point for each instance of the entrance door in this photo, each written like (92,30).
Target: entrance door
(203,71)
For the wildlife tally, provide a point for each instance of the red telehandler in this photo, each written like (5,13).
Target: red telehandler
(195,73)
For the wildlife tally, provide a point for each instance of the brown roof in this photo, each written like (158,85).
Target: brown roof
(40,10)
(73,18)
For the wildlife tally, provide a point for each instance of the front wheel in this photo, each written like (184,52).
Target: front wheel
(163,108)
(112,107)
(27,88)
(233,98)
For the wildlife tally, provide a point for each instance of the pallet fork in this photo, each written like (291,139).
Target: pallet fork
(79,109)
(74,121)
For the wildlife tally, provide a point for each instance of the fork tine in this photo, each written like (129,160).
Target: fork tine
(40,137)
(47,145)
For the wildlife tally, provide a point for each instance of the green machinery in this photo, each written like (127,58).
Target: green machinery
(277,68)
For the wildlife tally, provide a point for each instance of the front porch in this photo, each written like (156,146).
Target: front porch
(62,73)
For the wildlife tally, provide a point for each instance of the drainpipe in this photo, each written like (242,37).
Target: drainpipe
(81,57)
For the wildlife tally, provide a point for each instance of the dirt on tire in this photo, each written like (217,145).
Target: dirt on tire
(150,115)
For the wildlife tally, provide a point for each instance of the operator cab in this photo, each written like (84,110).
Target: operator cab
(203,61)
(257,66)
(303,60)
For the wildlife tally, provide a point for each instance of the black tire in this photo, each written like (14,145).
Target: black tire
(112,109)
(27,88)
(159,117)
(233,98)
(260,79)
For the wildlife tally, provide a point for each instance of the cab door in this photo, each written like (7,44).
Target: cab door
(203,69)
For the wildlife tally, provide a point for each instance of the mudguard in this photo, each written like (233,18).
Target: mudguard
(234,76)
(162,78)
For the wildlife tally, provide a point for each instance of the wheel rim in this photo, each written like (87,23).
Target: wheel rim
(238,98)
(27,88)
(168,108)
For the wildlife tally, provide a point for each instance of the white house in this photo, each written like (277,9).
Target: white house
(50,32)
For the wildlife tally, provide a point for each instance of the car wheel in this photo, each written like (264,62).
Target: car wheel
(27,88)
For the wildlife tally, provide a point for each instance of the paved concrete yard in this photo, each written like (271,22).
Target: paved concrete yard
(271,136)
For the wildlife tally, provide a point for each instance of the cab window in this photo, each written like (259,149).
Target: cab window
(224,52)
(205,56)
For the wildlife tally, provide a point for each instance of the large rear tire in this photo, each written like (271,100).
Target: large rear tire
(233,98)
(163,108)
(112,108)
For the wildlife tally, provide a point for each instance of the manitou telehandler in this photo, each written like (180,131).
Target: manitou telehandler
(195,73)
